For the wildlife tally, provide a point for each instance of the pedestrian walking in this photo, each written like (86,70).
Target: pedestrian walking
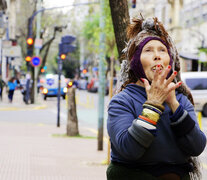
(151,122)
(2,84)
(12,83)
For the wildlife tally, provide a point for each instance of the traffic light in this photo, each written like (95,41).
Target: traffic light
(42,70)
(30,41)
(28,58)
(133,3)
(84,71)
(62,56)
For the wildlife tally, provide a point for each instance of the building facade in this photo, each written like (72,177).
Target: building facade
(186,22)
(11,59)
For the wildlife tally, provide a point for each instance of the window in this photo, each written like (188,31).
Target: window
(197,83)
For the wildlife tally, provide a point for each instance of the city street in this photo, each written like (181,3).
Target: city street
(32,147)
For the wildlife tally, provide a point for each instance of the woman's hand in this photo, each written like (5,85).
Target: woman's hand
(162,89)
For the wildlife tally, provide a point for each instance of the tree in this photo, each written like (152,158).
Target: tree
(91,33)
(120,18)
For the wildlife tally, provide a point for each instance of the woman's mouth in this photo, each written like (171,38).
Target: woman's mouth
(156,67)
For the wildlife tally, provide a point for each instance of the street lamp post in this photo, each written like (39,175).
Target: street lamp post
(101,89)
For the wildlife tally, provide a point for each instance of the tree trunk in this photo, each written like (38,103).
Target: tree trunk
(120,18)
(72,123)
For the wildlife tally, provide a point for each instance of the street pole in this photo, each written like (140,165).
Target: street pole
(110,96)
(101,89)
(59,83)
(37,50)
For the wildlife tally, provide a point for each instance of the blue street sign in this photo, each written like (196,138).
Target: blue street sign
(36,61)
(66,48)
(67,39)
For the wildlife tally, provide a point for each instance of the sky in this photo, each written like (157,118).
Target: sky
(58,3)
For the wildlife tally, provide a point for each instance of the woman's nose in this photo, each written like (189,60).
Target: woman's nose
(156,56)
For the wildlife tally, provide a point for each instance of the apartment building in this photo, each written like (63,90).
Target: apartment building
(186,22)
(11,58)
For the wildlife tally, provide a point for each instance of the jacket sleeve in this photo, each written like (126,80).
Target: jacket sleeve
(128,138)
(186,129)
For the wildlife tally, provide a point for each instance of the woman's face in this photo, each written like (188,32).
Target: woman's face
(153,53)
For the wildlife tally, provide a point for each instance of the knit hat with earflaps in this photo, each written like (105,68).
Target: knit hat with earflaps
(139,32)
(147,30)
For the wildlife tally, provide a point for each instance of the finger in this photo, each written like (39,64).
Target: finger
(165,73)
(156,74)
(175,86)
(146,84)
(170,79)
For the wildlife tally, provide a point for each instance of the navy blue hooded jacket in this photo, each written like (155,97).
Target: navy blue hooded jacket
(177,138)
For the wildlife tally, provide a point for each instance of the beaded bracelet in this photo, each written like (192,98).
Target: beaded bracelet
(152,108)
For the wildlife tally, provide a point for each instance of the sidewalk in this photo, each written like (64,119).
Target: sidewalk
(18,102)
(41,152)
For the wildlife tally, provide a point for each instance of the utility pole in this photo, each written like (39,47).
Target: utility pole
(37,50)
(101,88)
(60,64)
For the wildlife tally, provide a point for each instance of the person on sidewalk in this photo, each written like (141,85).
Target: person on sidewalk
(151,122)
(2,84)
(12,83)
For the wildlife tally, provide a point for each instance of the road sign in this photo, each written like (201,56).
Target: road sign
(38,43)
(36,61)
(67,39)
(66,48)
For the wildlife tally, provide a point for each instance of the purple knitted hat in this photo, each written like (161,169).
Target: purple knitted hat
(141,32)
(136,65)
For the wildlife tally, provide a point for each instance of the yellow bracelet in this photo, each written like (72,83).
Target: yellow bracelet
(151,114)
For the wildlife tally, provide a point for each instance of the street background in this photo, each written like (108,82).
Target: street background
(32,147)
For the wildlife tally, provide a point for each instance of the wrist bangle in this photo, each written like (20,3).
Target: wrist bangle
(147,120)
(155,104)
(150,114)
(152,108)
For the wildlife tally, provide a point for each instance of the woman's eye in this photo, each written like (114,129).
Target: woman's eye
(147,50)
(163,50)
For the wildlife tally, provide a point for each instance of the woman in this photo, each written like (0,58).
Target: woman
(12,83)
(151,122)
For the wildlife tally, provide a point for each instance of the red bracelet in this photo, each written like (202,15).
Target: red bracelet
(148,120)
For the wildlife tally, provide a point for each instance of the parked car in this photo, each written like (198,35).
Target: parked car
(50,86)
(197,82)
(94,84)
(82,84)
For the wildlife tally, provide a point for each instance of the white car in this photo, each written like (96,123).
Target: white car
(197,82)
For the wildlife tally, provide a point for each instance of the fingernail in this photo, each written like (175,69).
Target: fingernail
(142,80)
(179,83)
(175,72)
(169,67)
